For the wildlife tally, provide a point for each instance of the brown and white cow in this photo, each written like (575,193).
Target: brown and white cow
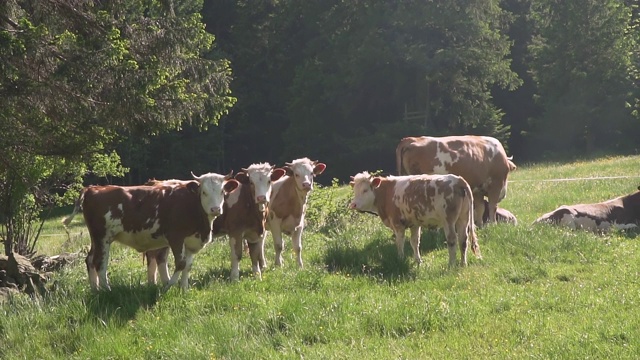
(245,214)
(620,213)
(288,204)
(152,217)
(502,215)
(413,201)
(480,160)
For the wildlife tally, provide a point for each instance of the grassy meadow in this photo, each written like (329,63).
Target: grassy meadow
(539,292)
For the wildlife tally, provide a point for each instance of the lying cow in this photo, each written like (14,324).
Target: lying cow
(502,215)
(245,214)
(151,217)
(619,213)
(288,204)
(413,201)
(480,160)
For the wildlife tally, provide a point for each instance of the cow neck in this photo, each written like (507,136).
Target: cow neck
(381,195)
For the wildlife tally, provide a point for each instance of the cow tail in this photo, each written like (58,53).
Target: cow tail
(76,209)
(471,226)
(399,153)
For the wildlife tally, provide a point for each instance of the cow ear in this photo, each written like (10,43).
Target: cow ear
(193,186)
(242,178)
(230,185)
(319,168)
(288,170)
(375,182)
(277,174)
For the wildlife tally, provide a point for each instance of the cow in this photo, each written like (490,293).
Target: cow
(245,214)
(288,205)
(413,201)
(620,213)
(480,160)
(145,218)
(502,215)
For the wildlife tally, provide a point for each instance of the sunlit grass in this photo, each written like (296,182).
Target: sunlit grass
(539,291)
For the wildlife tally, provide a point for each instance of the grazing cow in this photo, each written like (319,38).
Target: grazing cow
(502,215)
(620,213)
(413,201)
(152,217)
(245,214)
(288,204)
(480,160)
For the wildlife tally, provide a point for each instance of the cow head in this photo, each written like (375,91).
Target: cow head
(260,178)
(363,195)
(303,171)
(212,188)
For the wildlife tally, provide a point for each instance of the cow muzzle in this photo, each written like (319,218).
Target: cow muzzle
(262,202)
(353,206)
(216,211)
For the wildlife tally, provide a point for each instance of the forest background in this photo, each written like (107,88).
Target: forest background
(123,91)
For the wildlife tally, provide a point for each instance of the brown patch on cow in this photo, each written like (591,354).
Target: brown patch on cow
(286,202)
(243,216)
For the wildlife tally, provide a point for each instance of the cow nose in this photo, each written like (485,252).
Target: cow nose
(306,186)
(352,206)
(261,199)
(216,210)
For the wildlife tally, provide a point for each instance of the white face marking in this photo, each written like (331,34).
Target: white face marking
(211,193)
(260,179)
(363,199)
(303,173)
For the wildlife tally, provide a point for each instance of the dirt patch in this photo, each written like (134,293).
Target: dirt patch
(19,274)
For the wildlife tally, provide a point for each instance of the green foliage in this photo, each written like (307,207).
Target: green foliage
(581,59)
(76,78)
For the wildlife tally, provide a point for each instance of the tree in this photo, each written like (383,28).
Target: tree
(78,77)
(581,59)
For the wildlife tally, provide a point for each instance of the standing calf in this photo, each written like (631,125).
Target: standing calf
(413,201)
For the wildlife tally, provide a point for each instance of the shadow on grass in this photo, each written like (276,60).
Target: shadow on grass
(122,302)
(379,258)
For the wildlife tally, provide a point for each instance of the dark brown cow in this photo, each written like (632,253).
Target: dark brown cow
(413,201)
(502,215)
(152,217)
(480,160)
(289,203)
(245,215)
(620,213)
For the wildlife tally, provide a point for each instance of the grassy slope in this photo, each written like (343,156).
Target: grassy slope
(539,292)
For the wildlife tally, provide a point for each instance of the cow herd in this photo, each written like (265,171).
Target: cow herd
(453,183)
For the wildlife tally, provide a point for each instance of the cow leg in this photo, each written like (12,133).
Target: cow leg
(399,232)
(179,256)
(184,279)
(152,266)
(296,240)
(278,244)
(255,243)
(478,210)
(92,272)
(236,244)
(263,258)
(415,243)
(462,226)
(157,260)
(102,270)
(452,240)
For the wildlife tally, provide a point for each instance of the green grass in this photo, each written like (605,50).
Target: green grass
(539,292)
